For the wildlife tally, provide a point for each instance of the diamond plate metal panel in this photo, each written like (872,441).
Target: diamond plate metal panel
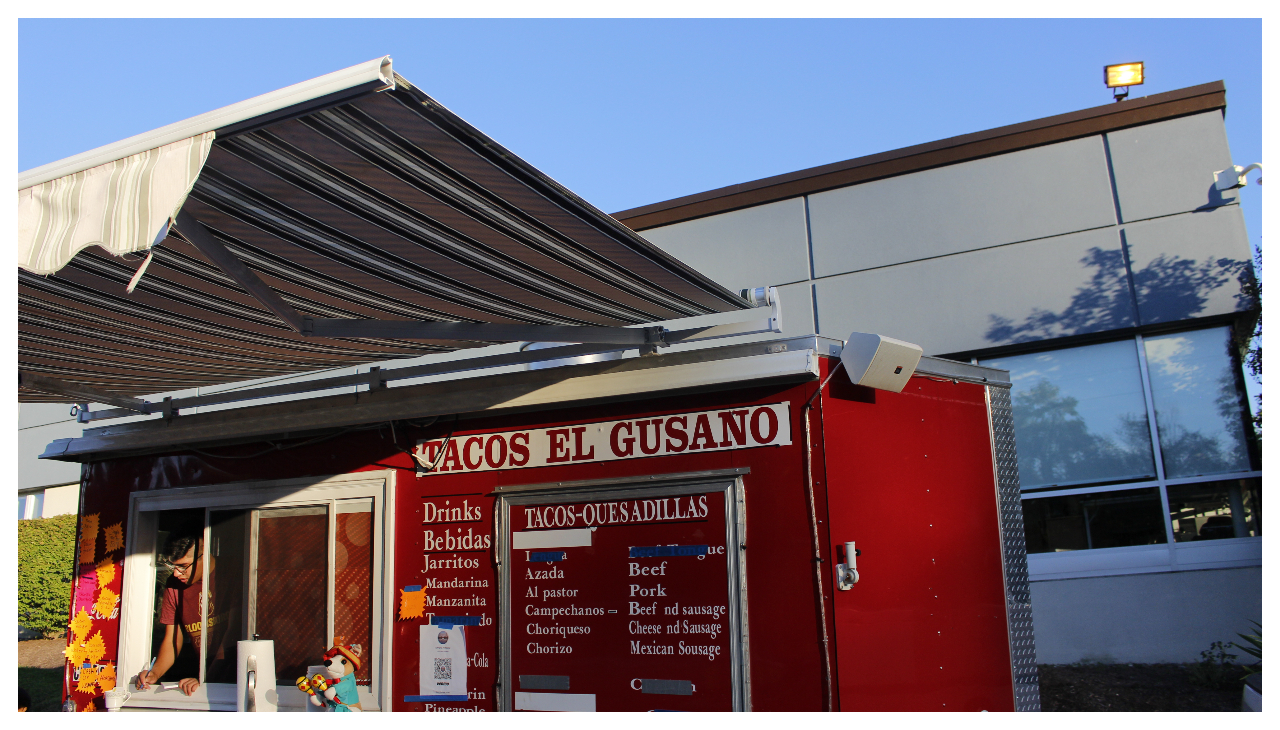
(1022,640)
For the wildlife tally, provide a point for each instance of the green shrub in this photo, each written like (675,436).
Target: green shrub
(46,564)
(1216,669)
(44,686)
(1253,648)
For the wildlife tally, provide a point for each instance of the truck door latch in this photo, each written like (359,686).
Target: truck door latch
(847,572)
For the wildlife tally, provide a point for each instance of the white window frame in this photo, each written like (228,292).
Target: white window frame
(1170,557)
(137,602)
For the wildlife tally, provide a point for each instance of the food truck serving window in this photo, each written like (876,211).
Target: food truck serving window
(297,564)
(629,599)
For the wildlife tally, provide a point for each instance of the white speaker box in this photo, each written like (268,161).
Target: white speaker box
(879,362)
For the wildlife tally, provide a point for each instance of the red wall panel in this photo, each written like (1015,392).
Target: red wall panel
(912,482)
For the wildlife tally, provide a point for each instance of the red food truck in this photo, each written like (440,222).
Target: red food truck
(656,533)
(777,523)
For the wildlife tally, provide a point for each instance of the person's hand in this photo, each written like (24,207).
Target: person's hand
(145,679)
(189,685)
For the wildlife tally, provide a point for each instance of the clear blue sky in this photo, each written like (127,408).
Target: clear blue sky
(631,112)
(626,112)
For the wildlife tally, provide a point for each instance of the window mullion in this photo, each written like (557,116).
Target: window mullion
(1156,452)
(330,572)
(204,598)
(251,612)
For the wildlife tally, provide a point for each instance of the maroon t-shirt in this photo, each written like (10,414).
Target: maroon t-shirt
(181,606)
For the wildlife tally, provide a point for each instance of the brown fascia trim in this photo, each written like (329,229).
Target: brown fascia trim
(1060,128)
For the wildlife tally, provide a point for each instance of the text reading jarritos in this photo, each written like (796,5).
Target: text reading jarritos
(734,428)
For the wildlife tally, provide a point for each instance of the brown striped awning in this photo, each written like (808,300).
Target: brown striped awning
(386,206)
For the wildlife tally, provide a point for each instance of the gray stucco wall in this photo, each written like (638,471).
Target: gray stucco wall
(1167,168)
(995,296)
(1073,238)
(1021,196)
(1147,618)
(1187,265)
(762,246)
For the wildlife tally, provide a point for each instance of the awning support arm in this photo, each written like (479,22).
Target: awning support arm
(480,331)
(80,393)
(199,236)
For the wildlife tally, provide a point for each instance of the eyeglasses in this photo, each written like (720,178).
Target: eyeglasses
(180,568)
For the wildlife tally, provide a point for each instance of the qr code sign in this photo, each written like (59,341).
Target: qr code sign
(444,669)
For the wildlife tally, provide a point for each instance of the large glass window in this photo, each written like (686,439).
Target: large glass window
(269,574)
(1198,403)
(1081,425)
(1079,415)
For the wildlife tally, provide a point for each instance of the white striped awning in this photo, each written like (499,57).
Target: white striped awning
(123,206)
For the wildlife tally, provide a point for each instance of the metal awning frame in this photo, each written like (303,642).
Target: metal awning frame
(749,364)
(727,324)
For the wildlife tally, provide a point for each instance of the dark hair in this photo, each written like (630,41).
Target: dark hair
(180,541)
(24,699)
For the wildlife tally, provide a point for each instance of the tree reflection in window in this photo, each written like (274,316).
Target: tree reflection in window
(1079,415)
(1199,408)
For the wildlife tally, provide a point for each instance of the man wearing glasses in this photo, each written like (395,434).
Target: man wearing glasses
(180,614)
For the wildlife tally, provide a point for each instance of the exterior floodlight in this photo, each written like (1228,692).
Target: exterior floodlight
(1123,75)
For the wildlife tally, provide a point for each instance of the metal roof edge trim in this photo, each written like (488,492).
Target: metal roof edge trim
(937,367)
(952,150)
(490,394)
(370,76)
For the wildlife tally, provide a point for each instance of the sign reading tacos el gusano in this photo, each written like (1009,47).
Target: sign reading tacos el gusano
(621,605)
(702,431)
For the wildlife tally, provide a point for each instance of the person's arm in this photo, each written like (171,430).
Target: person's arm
(186,684)
(169,649)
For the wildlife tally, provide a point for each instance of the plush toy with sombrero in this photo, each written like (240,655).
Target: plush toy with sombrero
(337,690)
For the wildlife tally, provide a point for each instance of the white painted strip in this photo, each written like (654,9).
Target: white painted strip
(539,539)
(379,70)
(555,702)
(123,206)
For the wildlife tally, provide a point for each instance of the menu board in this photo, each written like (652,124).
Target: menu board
(449,611)
(621,605)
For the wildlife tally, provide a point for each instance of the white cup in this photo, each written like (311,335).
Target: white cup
(115,698)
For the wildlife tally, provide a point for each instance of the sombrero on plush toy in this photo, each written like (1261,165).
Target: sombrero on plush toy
(352,656)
